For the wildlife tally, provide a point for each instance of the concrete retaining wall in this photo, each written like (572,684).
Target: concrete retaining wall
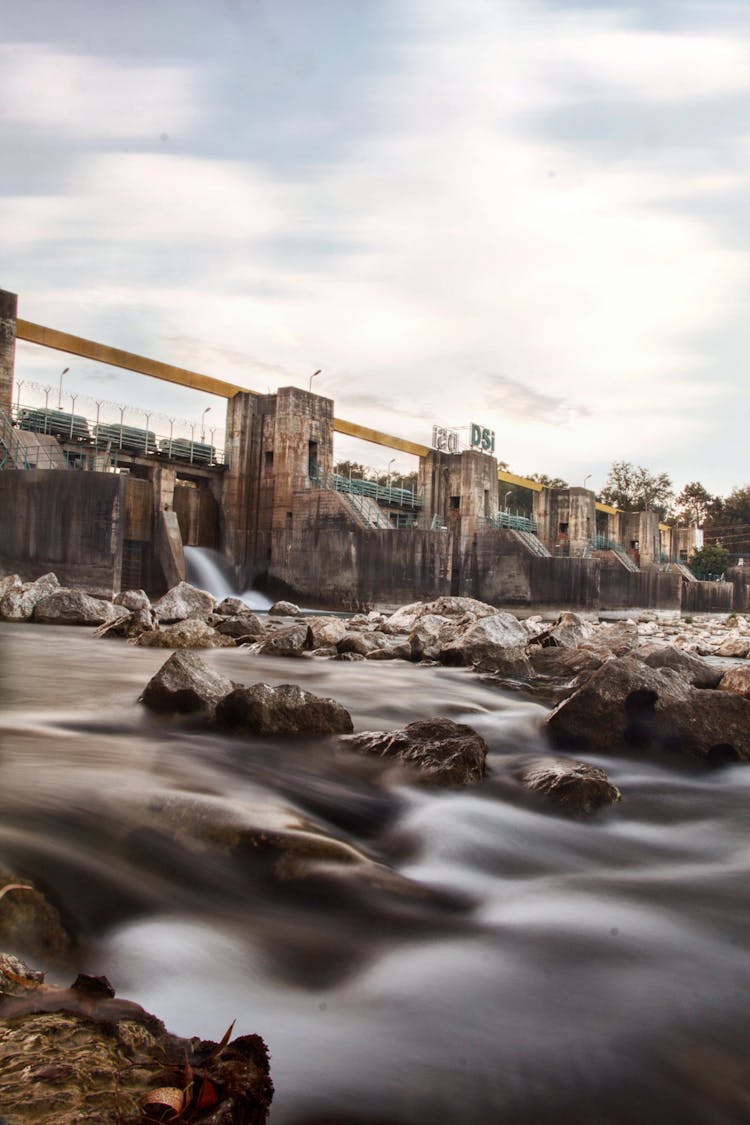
(496,569)
(707,597)
(647,589)
(63,521)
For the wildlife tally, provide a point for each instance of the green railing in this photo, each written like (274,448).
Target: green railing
(381,493)
(513,520)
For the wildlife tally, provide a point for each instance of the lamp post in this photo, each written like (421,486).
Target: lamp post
(64,371)
(507,494)
(309,385)
(203,423)
(587,477)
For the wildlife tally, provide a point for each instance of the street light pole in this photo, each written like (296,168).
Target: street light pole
(64,371)
(587,477)
(203,423)
(309,385)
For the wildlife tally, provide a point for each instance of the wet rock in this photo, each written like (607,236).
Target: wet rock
(697,672)
(735,645)
(232,607)
(492,644)
(143,618)
(73,607)
(568,631)
(79,1054)
(19,601)
(441,751)
(286,709)
(349,657)
(403,620)
(569,785)
(284,609)
(182,602)
(430,635)
(628,706)
(192,633)
(243,625)
(736,680)
(10,582)
(615,639)
(29,924)
(360,643)
(133,599)
(325,631)
(401,650)
(185,684)
(448,606)
(563,663)
(287,640)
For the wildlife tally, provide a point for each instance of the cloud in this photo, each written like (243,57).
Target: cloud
(510,397)
(92,97)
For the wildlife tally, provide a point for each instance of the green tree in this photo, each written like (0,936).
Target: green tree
(694,504)
(351,469)
(728,522)
(710,562)
(549,482)
(634,489)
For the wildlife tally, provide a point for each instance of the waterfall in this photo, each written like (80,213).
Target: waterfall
(210,570)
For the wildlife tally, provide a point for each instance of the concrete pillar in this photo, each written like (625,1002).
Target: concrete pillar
(8,312)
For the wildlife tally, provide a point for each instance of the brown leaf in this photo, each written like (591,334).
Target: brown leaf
(227,1035)
(169,1096)
(208,1095)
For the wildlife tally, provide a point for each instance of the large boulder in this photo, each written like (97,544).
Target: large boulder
(559,663)
(491,644)
(286,640)
(362,644)
(568,631)
(183,601)
(569,785)
(735,645)
(20,598)
(143,618)
(185,684)
(192,633)
(737,680)
(696,671)
(404,619)
(325,631)
(431,634)
(615,639)
(286,709)
(232,607)
(73,607)
(284,609)
(441,751)
(244,625)
(628,706)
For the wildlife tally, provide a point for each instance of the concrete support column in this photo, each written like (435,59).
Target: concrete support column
(8,313)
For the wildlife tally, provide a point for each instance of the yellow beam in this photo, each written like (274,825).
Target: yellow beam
(378,438)
(102,353)
(523,482)
(606,508)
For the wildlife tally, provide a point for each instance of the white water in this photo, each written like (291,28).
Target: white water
(210,570)
(502,964)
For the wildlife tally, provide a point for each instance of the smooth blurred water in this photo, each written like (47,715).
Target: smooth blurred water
(457,956)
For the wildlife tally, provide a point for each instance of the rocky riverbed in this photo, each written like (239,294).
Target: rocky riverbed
(316,801)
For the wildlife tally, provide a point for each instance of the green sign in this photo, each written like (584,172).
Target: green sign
(482,439)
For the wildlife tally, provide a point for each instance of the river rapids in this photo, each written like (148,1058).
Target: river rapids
(489,961)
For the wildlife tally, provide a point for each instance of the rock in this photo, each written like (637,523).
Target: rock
(443,752)
(401,650)
(192,633)
(350,657)
(19,602)
(9,582)
(29,924)
(143,618)
(449,606)
(325,631)
(615,639)
(286,709)
(73,607)
(182,602)
(403,620)
(287,640)
(133,599)
(243,625)
(360,643)
(569,631)
(430,635)
(80,1054)
(734,645)
(118,627)
(563,663)
(232,607)
(492,644)
(697,672)
(568,784)
(185,684)
(626,705)
(737,680)
(284,609)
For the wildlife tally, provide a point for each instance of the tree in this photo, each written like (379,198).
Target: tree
(634,489)
(694,504)
(728,522)
(710,562)
(351,469)
(549,482)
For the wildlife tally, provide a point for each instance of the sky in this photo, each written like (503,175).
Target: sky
(528,214)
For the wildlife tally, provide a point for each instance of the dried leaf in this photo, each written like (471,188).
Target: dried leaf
(227,1035)
(169,1096)
(14,887)
(208,1095)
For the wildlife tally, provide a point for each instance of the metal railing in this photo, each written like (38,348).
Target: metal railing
(381,493)
(112,438)
(602,543)
(513,520)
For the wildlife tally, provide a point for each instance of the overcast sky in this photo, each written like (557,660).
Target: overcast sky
(532,215)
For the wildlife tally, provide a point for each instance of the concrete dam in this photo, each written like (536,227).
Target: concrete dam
(109,508)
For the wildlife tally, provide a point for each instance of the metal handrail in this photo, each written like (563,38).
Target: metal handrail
(516,522)
(382,493)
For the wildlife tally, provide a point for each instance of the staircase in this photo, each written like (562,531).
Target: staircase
(532,543)
(368,511)
(23,449)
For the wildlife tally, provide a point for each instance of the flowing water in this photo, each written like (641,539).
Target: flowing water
(454,956)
